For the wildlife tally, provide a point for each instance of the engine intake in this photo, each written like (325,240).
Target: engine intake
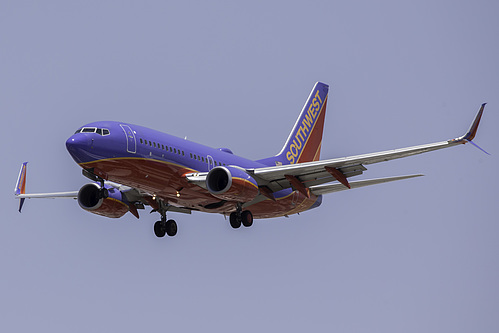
(90,198)
(231,184)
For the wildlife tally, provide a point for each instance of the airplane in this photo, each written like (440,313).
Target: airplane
(133,166)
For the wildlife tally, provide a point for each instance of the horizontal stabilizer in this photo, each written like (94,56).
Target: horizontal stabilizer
(329,188)
(71,195)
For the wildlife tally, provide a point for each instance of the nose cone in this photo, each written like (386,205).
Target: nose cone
(78,146)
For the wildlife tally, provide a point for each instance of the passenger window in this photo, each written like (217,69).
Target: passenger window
(150,143)
(163,147)
(183,153)
(154,143)
(202,158)
(171,149)
(175,150)
(190,154)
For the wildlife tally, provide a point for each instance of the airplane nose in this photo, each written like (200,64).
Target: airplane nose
(79,146)
(78,142)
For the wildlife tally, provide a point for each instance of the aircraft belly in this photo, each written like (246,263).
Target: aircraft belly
(166,181)
(155,177)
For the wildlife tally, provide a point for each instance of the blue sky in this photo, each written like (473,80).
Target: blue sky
(416,255)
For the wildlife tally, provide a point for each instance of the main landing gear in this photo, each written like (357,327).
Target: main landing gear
(165,227)
(240,217)
(168,227)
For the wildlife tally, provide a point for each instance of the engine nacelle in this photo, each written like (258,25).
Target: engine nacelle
(231,184)
(91,199)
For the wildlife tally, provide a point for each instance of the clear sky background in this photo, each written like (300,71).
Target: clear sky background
(419,255)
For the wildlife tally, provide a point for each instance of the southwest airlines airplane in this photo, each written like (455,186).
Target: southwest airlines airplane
(132,166)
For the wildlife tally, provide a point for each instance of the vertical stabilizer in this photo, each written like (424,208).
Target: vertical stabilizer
(304,141)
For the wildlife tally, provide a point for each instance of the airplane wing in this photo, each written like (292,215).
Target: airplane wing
(54,195)
(135,198)
(305,176)
(20,188)
(336,187)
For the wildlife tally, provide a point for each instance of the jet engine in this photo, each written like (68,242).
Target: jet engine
(231,184)
(107,201)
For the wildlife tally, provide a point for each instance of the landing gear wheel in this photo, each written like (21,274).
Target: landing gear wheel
(104,193)
(159,229)
(171,228)
(247,218)
(235,220)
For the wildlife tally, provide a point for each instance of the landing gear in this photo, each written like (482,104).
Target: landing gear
(169,228)
(247,218)
(104,193)
(160,229)
(89,173)
(235,220)
(164,227)
(240,217)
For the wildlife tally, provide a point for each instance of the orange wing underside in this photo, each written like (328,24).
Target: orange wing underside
(166,181)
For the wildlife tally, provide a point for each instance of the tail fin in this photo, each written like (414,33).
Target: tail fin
(304,141)
(21,184)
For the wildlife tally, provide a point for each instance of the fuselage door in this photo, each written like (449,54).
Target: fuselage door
(211,162)
(131,143)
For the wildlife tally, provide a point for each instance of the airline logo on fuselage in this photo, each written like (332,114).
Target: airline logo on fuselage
(303,132)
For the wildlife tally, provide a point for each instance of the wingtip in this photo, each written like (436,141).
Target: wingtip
(470,135)
(21,180)
(21,203)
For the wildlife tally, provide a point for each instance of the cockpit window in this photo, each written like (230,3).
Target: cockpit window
(100,131)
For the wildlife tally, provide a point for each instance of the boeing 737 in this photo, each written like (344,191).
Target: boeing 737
(132,167)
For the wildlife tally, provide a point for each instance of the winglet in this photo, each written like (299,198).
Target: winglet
(21,184)
(474,127)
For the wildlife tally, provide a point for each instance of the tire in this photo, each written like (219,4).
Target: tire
(159,229)
(104,193)
(235,222)
(247,218)
(171,228)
